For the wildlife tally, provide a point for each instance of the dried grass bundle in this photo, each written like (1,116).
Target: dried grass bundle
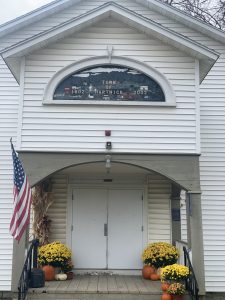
(42,200)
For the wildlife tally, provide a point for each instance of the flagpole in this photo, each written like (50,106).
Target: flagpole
(21,194)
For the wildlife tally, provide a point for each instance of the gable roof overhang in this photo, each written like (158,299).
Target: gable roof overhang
(157,5)
(207,57)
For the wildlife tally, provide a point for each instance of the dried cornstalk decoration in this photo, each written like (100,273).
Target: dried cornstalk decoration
(42,200)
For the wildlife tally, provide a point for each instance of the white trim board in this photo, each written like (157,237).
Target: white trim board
(110,187)
(115,60)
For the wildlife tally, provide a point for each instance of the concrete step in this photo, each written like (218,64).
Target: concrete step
(97,296)
(87,296)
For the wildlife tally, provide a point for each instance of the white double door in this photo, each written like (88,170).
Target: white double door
(107,228)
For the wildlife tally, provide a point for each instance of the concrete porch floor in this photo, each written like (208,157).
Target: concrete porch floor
(99,287)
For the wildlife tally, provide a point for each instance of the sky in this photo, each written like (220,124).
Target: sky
(10,9)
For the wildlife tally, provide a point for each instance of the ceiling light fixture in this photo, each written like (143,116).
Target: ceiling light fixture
(108,163)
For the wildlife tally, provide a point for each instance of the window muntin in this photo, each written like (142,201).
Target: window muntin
(109,83)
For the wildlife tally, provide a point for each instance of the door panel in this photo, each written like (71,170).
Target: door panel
(124,229)
(89,217)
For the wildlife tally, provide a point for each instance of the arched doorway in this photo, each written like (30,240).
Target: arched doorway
(183,170)
(107,216)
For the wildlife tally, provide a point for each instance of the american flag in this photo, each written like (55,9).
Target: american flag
(22,199)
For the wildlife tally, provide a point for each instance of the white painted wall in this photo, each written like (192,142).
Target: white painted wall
(159,209)
(134,129)
(8,128)
(57,212)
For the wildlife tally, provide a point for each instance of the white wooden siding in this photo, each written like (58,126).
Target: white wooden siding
(159,209)
(8,128)
(57,212)
(134,129)
(212,170)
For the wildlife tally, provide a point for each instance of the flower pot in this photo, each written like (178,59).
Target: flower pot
(49,272)
(69,275)
(178,297)
(147,271)
(166,297)
(165,286)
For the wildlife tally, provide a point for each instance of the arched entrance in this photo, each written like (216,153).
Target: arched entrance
(183,170)
(108,214)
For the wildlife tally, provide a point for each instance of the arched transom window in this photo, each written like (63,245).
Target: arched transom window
(109,83)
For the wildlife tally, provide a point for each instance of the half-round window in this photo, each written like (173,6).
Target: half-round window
(109,83)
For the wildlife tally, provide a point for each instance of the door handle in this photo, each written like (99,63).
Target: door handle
(105,229)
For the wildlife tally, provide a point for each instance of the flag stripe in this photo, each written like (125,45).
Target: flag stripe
(18,217)
(20,204)
(22,217)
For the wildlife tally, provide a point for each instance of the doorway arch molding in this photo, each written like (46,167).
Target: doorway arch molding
(77,66)
(181,169)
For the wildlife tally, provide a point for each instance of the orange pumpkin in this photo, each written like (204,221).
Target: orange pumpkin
(154,276)
(49,272)
(166,297)
(147,271)
(165,286)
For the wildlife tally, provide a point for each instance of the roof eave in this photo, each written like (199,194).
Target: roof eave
(35,15)
(156,5)
(145,25)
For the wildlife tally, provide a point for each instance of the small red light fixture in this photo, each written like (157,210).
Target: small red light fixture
(107,132)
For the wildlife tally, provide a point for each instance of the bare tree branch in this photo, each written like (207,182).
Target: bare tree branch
(209,11)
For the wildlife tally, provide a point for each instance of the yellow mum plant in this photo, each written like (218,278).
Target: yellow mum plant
(55,254)
(160,254)
(174,272)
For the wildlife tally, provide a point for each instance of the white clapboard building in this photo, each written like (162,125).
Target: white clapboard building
(122,105)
